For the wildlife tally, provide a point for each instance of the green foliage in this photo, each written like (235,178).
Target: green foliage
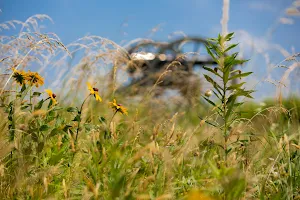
(227,92)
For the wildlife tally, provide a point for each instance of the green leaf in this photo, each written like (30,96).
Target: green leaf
(228,150)
(235,71)
(228,64)
(240,92)
(51,113)
(229,36)
(44,127)
(66,128)
(208,122)
(240,75)
(25,106)
(23,88)
(236,86)
(211,54)
(212,71)
(246,93)
(54,132)
(72,109)
(211,102)
(219,38)
(229,61)
(39,105)
(77,118)
(88,127)
(214,84)
(56,108)
(231,100)
(231,47)
(102,119)
(36,94)
(226,75)
(50,104)
(217,95)
(212,39)
(54,159)
(216,49)
(238,62)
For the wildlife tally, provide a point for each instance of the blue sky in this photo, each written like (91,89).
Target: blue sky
(76,18)
(127,20)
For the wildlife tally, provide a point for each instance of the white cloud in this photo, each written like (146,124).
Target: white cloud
(261,6)
(293,11)
(284,20)
(296,3)
(258,44)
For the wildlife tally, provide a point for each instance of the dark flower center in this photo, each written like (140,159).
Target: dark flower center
(95,89)
(53,95)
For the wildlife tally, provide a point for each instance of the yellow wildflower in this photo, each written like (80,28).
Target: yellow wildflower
(19,76)
(34,78)
(51,95)
(94,91)
(118,107)
(197,195)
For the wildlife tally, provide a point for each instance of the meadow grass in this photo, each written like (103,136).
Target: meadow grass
(87,141)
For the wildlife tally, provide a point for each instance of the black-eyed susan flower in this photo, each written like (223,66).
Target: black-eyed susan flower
(118,107)
(33,78)
(94,91)
(51,95)
(19,76)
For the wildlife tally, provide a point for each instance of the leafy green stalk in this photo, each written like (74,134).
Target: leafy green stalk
(223,85)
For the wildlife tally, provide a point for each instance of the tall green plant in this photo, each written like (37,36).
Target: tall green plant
(224,87)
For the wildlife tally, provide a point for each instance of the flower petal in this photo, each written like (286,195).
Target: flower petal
(97,96)
(90,88)
(49,92)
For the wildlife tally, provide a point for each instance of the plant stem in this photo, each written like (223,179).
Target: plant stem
(224,98)
(225,124)
(78,126)
(30,98)
(112,119)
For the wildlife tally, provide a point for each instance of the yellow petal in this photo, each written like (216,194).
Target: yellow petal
(125,111)
(49,92)
(98,98)
(90,88)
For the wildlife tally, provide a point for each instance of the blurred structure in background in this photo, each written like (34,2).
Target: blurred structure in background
(167,66)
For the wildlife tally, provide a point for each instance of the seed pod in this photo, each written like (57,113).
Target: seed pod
(208,93)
